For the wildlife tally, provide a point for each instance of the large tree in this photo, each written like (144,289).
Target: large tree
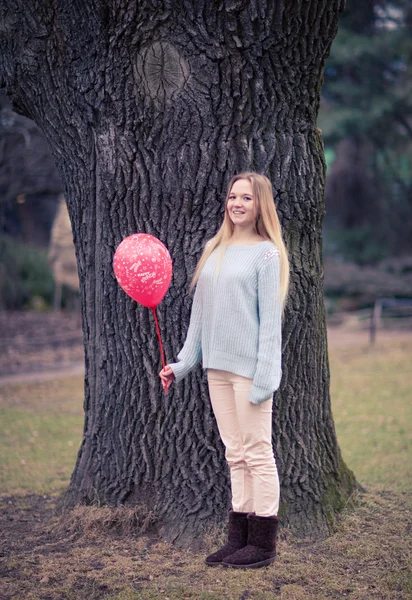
(149,108)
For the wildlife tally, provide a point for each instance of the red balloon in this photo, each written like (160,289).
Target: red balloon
(143,268)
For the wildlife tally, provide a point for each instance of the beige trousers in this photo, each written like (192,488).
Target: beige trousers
(246,432)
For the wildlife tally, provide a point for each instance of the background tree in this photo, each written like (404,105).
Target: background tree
(366,118)
(149,108)
(29,188)
(29,181)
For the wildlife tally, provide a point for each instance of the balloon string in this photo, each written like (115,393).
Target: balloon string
(159,337)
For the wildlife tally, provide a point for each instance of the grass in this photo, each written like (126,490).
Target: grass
(371,390)
(41,429)
(83,556)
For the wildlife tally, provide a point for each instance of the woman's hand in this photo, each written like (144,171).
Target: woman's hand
(167,376)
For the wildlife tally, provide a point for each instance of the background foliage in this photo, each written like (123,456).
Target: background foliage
(25,277)
(366,119)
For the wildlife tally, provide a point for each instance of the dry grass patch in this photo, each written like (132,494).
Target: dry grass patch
(85,522)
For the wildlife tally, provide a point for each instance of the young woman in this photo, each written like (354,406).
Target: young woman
(235,328)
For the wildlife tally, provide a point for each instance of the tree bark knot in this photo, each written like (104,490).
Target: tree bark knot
(162,70)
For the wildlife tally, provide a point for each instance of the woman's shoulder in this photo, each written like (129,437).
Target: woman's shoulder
(268,249)
(269,252)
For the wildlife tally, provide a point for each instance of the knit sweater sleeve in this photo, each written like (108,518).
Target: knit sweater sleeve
(191,352)
(268,371)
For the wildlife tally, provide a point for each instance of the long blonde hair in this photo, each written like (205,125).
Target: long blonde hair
(267,225)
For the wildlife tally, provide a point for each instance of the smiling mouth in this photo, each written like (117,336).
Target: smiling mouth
(237,212)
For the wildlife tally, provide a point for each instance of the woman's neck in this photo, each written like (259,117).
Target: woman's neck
(245,237)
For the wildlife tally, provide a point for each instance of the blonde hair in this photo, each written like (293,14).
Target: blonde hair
(267,225)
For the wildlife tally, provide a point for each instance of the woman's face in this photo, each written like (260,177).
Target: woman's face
(241,204)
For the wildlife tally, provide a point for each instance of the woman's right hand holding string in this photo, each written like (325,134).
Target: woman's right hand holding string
(167,376)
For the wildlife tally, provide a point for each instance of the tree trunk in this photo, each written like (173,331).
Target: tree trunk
(149,109)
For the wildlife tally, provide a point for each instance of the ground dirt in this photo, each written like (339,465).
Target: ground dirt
(36,342)
(45,557)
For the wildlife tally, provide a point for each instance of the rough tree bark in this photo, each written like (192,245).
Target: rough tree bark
(149,108)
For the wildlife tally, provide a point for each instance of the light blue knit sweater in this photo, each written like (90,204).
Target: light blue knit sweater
(235,324)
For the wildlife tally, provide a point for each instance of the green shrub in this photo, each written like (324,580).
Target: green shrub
(24,275)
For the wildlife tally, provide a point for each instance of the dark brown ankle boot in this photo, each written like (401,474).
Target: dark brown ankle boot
(261,544)
(237,538)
